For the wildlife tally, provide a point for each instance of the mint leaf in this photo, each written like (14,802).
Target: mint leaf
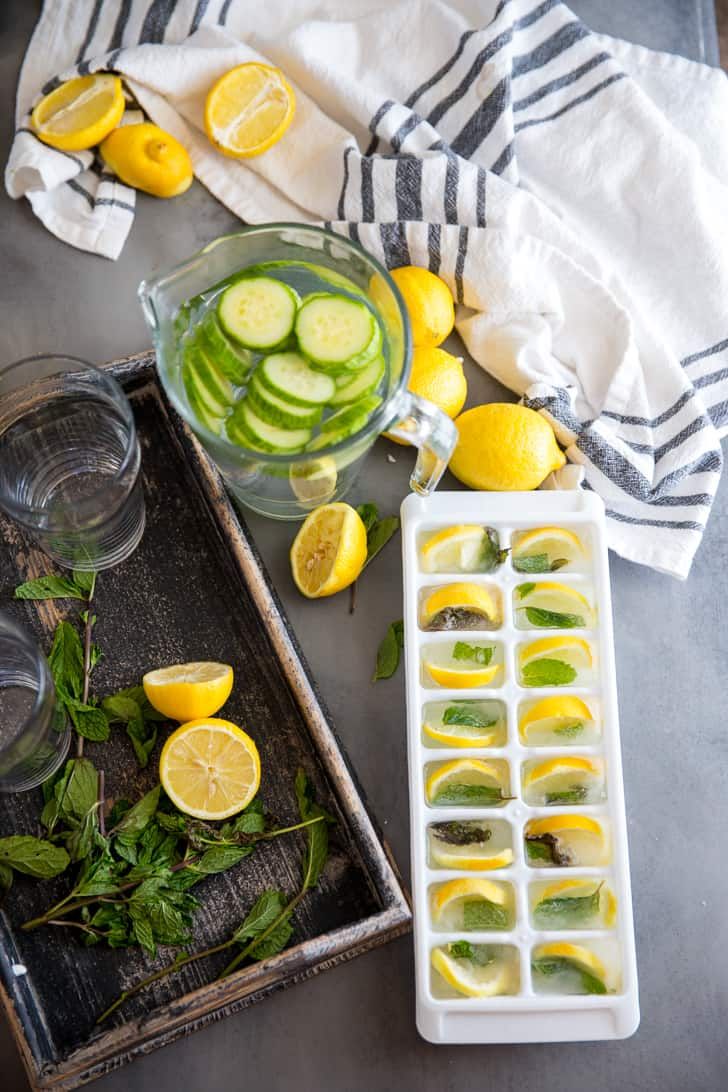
(275,942)
(468,717)
(50,587)
(577,794)
(261,916)
(135,820)
(6,880)
(460,949)
(553,619)
(483,914)
(88,720)
(522,590)
(479,654)
(548,848)
(32,856)
(579,979)
(548,672)
(570,730)
(220,858)
(457,833)
(120,708)
(388,653)
(483,795)
(559,911)
(317,834)
(369,514)
(85,582)
(491,555)
(536,563)
(480,954)
(379,535)
(65,660)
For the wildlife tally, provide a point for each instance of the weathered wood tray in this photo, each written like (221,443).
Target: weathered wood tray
(194,589)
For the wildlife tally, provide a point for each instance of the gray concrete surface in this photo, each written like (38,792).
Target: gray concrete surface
(352,1029)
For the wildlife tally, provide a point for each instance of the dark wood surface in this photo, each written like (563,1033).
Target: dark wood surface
(152,613)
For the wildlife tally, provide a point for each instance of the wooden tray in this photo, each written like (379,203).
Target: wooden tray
(194,589)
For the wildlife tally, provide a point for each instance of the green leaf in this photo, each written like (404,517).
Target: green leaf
(85,582)
(570,730)
(539,563)
(577,794)
(553,619)
(249,821)
(579,978)
(88,720)
(522,590)
(100,876)
(135,820)
(317,834)
(6,880)
(388,653)
(275,942)
(80,792)
(32,856)
(264,912)
(549,848)
(120,708)
(483,914)
(80,841)
(460,949)
(548,672)
(50,587)
(469,717)
(560,912)
(66,661)
(379,535)
(478,654)
(480,954)
(142,928)
(136,694)
(143,738)
(457,833)
(484,795)
(220,858)
(491,555)
(369,514)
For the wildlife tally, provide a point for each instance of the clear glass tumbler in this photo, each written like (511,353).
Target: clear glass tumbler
(34,732)
(69,461)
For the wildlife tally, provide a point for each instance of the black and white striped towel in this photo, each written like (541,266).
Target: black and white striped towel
(572,190)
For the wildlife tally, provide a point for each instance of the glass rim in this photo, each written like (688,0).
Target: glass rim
(43,674)
(18,510)
(379,419)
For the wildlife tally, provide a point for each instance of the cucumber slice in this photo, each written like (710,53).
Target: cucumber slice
(211,387)
(276,411)
(351,418)
(351,387)
(332,330)
(289,376)
(234,363)
(372,351)
(266,437)
(258,312)
(209,420)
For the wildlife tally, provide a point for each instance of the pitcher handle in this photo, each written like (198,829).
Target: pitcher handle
(426,427)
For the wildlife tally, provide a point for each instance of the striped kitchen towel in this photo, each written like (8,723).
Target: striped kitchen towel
(570,188)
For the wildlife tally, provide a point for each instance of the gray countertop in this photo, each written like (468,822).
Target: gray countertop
(352,1029)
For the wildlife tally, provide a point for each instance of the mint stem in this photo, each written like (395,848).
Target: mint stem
(88,627)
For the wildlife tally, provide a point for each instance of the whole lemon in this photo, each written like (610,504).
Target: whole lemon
(429,304)
(504,447)
(146,157)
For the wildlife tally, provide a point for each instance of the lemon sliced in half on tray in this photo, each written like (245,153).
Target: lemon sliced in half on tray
(461,606)
(565,717)
(249,109)
(188,691)
(462,666)
(546,549)
(470,845)
(329,551)
(562,967)
(467,782)
(554,661)
(471,904)
(79,113)
(551,604)
(568,779)
(475,970)
(464,548)
(210,768)
(575,904)
(565,840)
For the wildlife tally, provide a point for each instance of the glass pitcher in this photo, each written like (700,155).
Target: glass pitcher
(287,486)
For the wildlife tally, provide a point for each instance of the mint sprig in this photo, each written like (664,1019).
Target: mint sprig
(468,717)
(548,672)
(477,654)
(579,910)
(553,619)
(539,563)
(483,914)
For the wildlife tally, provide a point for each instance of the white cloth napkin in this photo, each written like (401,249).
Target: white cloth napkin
(570,188)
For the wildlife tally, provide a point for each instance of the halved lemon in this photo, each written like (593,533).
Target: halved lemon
(189,691)
(549,545)
(79,113)
(476,605)
(572,652)
(468,782)
(564,891)
(555,597)
(210,768)
(464,548)
(447,903)
(582,840)
(329,551)
(249,109)
(581,957)
(565,716)
(564,780)
(470,977)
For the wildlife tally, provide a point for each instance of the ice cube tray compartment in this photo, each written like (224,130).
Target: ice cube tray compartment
(528,1010)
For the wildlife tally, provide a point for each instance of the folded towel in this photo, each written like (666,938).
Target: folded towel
(570,188)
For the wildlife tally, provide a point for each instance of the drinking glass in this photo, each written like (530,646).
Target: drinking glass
(34,732)
(69,461)
(288,486)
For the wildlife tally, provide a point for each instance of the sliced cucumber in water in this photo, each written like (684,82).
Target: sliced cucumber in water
(255,432)
(258,312)
(289,376)
(351,418)
(333,330)
(211,387)
(351,387)
(234,362)
(367,355)
(276,411)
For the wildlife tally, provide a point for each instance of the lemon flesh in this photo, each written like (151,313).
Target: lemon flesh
(504,447)
(467,782)
(471,979)
(329,551)
(452,902)
(455,549)
(429,304)
(189,691)
(580,840)
(210,768)
(463,724)
(555,544)
(79,113)
(148,158)
(564,780)
(572,958)
(551,595)
(248,110)
(560,719)
(561,894)
(461,606)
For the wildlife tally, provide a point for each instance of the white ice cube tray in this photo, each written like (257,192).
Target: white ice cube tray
(525,1015)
